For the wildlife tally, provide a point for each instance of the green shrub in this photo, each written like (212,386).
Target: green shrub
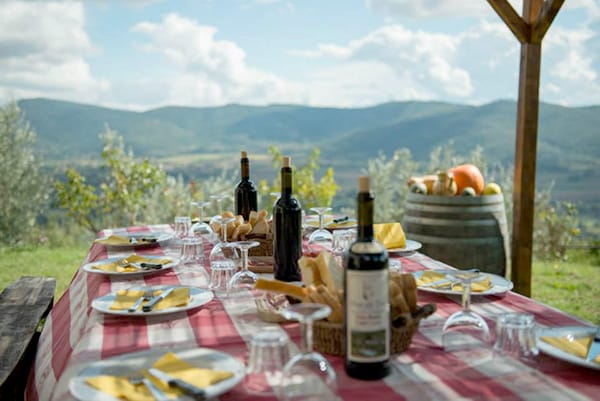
(388,184)
(24,190)
(123,195)
(309,192)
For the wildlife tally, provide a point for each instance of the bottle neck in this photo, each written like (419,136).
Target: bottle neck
(245,168)
(365,217)
(286,181)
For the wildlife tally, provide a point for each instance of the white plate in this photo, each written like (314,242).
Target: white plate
(134,362)
(88,266)
(198,297)
(161,238)
(499,285)
(410,248)
(575,331)
(313,222)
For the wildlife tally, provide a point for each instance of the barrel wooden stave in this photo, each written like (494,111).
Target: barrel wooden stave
(464,232)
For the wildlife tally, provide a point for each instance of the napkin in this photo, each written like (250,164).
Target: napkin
(575,346)
(479,286)
(120,387)
(119,240)
(114,266)
(126,298)
(113,240)
(390,235)
(429,276)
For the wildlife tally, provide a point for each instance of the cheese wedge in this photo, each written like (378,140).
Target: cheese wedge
(280,287)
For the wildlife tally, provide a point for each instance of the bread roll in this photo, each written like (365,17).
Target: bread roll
(409,289)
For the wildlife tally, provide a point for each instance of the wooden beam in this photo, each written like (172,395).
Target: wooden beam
(515,23)
(545,18)
(525,156)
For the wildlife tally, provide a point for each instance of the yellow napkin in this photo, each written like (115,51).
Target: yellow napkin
(126,298)
(390,235)
(429,276)
(114,266)
(119,386)
(119,240)
(478,286)
(575,346)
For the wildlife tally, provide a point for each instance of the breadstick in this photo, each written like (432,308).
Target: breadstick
(337,314)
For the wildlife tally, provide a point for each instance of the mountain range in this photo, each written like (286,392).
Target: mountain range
(568,138)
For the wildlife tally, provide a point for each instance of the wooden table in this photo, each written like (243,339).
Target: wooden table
(75,335)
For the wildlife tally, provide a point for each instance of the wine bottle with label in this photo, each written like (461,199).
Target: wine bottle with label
(245,190)
(366,303)
(287,220)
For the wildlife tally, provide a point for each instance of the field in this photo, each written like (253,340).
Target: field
(572,286)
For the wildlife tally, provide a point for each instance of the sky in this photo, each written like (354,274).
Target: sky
(144,54)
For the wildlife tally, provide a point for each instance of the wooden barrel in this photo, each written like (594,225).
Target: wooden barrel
(464,232)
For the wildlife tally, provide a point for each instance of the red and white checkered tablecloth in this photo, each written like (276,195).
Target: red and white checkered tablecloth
(75,335)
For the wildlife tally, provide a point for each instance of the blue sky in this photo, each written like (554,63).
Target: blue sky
(142,54)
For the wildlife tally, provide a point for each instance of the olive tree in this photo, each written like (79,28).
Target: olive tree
(123,195)
(24,189)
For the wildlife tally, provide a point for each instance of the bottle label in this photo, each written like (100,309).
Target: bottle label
(367,319)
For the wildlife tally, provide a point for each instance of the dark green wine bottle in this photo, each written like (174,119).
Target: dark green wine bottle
(246,198)
(287,220)
(366,302)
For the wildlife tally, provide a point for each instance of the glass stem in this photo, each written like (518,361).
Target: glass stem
(307,335)
(244,259)
(321,222)
(466,296)
(224,231)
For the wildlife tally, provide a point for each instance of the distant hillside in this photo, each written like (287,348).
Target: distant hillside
(568,140)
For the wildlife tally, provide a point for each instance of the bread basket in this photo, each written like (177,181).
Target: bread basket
(265,241)
(328,338)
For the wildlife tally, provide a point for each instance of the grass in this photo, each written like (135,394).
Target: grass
(572,286)
(58,262)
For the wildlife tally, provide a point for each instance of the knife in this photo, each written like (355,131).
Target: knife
(148,307)
(187,388)
(594,349)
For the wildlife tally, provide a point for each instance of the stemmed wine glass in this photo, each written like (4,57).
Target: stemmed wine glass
(244,279)
(223,258)
(201,227)
(320,238)
(307,375)
(466,330)
(219,199)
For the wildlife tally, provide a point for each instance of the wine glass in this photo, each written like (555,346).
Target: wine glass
(183,224)
(465,330)
(201,227)
(219,199)
(307,375)
(244,279)
(223,258)
(320,238)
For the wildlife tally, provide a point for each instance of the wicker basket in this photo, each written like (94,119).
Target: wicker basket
(328,337)
(265,247)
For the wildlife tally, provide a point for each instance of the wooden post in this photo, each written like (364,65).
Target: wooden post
(529,30)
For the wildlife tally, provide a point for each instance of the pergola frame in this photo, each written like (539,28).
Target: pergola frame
(529,29)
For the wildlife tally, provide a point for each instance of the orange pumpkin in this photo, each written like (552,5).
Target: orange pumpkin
(467,175)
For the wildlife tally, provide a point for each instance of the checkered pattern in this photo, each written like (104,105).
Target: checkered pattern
(75,335)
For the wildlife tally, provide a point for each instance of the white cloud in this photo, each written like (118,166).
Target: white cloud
(430,8)
(422,64)
(211,71)
(42,52)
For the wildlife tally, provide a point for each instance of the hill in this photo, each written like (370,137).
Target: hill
(568,140)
